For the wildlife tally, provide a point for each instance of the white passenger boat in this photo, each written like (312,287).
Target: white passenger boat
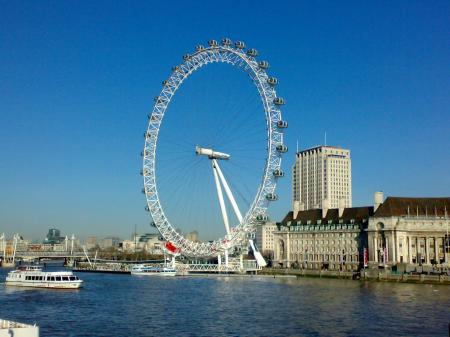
(142,269)
(10,328)
(34,276)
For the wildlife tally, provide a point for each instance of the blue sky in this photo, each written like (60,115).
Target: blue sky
(77,80)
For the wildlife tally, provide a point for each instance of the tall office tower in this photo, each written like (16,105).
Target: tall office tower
(322,178)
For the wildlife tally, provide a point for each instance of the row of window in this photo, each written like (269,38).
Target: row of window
(51,278)
(325,258)
(298,227)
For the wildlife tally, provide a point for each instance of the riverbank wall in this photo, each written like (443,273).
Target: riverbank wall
(369,275)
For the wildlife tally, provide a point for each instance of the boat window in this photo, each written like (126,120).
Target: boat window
(65,278)
(52,278)
(33,278)
(57,278)
(40,278)
(27,277)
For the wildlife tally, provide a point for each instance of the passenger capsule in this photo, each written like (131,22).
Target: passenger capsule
(226,41)
(147,209)
(165,82)
(143,191)
(186,57)
(262,217)
(212,43)
(239,45)
(176,68)
(271,196)
(252,52)
(272,81)
(278,101)
(263,64)
(282,148)
(152,224)
(282,124)
(278,173)
(199,48)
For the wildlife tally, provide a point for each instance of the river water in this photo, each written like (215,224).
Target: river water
(125,305)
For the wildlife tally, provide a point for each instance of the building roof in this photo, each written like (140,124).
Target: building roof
(358,214)
(320,147)
(400,206)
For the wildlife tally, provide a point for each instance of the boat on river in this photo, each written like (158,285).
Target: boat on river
(10,328)
(34,276)
(142,269)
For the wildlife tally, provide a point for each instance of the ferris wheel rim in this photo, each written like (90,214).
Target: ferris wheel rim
(236,57)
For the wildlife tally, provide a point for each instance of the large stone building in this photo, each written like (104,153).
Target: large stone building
(322,177)
(410,231)
(330,239)
(264,238)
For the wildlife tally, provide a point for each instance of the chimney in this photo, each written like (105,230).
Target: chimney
(296,209)
(378,198)
(325,207)
(341,206)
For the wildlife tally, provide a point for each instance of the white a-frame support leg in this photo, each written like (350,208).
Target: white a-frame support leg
(228,191)
(219,175)
(220,195)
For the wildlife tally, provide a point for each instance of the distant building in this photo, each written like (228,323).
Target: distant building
(322,178)
(149,242)
(329,239)
(91,242)
(192,236)
(109,242)
(409,230)
(264,238)
(54,237)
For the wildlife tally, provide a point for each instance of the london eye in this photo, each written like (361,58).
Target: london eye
(237,235)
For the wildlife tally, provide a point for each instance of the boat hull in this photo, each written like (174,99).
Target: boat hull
(52,285)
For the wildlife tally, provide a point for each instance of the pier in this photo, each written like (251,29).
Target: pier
(124,267)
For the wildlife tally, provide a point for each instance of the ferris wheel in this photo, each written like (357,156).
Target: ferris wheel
(236,236)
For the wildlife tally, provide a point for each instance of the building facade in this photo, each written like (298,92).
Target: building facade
(109,242)
(54,237)
(413,231)
(149,242)
(265,239)
(322,239)
(322,177)
(91,242)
